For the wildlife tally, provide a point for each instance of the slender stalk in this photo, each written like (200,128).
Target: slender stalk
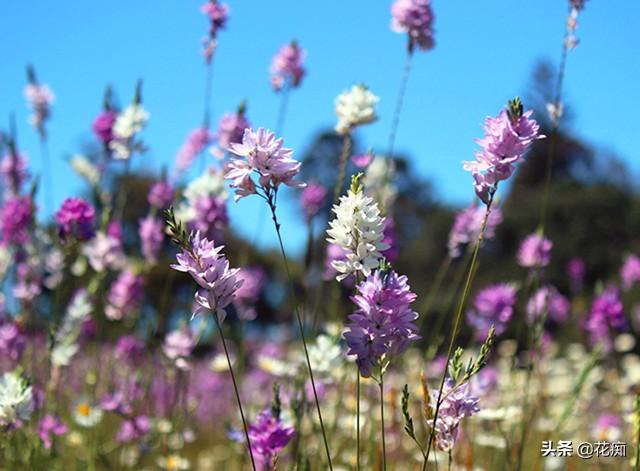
(435,288)
(456,325)
(235,388)
(48,179)
(399,102)
(272,206)
(384,444)
(358,419)
(342,166)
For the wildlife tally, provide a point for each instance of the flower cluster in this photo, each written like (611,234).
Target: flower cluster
(263,154)
(507,139)
(605,318)
(230,130)
(13,169)
(268,437)
(493,305)
(40,98)
(124,296)
(194,145)
(151,232)
(210,270)
(76,219)
(218,14)
(468,225)
(547,301)
(359,229)
(383,325)
(414,17)
(535,251)
(16,400)
(131,121)
(456,403)
(16,217)
(160,194)
(287,68)
(312,199)
(630,272)
(253,280)
(103,126)
(355,107)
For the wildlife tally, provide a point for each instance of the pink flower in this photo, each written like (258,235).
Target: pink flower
(16,218)
(230,130)
(535,251)
(151,233)
(49,427)
(124,296)
(195,143)
(630,272)
(312,199)
(76,219)
(287,68)
(103,125)
(40,98)
(218,14)
(160,195)
(414,17)
(362,160)
(263,154)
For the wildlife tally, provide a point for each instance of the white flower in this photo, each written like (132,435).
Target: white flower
(104,251)
(65,341)
(358,228)
(210,184)
(86,414)
(378,181)
(173,463)
(128,123)
(16,399)
(324,355)
(83,167)
(355,107)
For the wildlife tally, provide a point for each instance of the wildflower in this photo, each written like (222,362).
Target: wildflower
(210,270)
(357,228)
(378,181)
(230,130)
(49,427)
(16,400)
(325,355)
(457,402)
(178,345)
(312,199)
(160,194)
(76,219)
(390,238)
(355,107)
(210,216)
(12,341)
(630,272)
(287,69)
(194,145)
(535,251)
(263,154)
(334,253)
(606,317)
(85,168)
(128,124)
(507,139)
(40,98)
(13,169)
(104,251)
(129,348)
(362,160)
(124,295)
(493,305)
(608,427)
(467,226)
(383,325)
(103,126)
(548,301)
(65,342)
(173,462)
(16,219)
(218,14)
(414,17)
(576,271)
(268,437)
(151,233)
(87,415)
(133,429)
(253,280)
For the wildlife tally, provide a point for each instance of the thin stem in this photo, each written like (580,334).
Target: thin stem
(384,444)
(282,110)
(435,288)
(358,419)
(456,325)
(399,102)
(48,179)
(271,202)
(342,166)
(235,388)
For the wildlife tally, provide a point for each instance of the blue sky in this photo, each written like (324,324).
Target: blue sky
(484,55)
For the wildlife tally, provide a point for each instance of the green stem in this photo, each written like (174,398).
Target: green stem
(342,166)
(235,389)
(358,419)
(384,444)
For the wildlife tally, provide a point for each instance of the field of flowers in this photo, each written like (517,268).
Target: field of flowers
(138,331)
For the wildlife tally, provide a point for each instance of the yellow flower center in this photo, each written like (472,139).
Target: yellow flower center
(173,462)
(83,409)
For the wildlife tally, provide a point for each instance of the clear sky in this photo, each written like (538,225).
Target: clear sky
(484,55)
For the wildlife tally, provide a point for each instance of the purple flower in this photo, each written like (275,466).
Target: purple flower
(263,154)
(334,252)
(16,217)
(230,130)
(362,160)
(576,271)
(414,17)
(547,300)
(196,142)
(133,429)
(129,348)
(608,427)
(211,217)
(630,272)
(312,199)
(12,341)
(535,251)
(40,98)
(456,404)
(124,295)
(253,280)
(48,427)
(151,233)
(160,194)
(268,436)
(13,169)
(390,238)
(467,226)
(287,69)
(492,305)
(210,270)
(606,316)
(178,345)
(76,219)
(115,403)
(507,138)
(218,14)
(383,325)
(103,125)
